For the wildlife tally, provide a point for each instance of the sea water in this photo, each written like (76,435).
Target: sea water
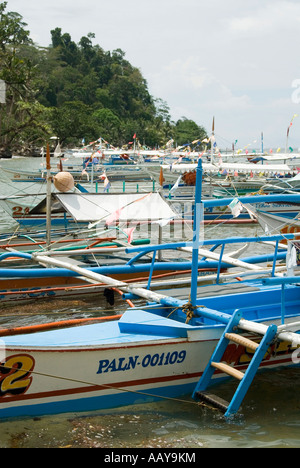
(270,414)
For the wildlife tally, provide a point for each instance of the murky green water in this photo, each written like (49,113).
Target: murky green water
(270,419)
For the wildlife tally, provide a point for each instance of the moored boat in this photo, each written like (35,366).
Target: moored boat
(160,350)
(169,348)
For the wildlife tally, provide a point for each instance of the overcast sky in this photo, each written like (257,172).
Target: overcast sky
(236,60)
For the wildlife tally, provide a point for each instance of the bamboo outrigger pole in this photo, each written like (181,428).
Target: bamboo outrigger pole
(222,317)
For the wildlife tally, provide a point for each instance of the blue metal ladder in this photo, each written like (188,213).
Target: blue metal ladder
(229,335)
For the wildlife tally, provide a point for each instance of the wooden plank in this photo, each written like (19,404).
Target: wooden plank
(228,370)
(239,339)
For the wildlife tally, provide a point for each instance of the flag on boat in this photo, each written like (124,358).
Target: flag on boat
(113,217)
(236,207)
(291,123)
(176,185)
(84,173)
(106,182)
(129,233)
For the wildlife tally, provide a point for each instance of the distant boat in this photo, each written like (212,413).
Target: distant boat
(276,158)
(273,223)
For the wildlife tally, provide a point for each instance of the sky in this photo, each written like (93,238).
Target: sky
(235,61)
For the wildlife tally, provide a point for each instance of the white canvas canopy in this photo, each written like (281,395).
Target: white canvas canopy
(257,168)
(182,167)
(280,156)
(127,207)
(240,167)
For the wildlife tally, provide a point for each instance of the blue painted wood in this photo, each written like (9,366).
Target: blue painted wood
(217,355)
(141,322)
(275,258)
(127,268)
(253,199)
(251,371)
(151,270)
(282,303)
(281,280)
(196,233)
(219,266)
(143,250)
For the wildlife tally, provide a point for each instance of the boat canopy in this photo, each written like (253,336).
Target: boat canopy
(240,167)
(280,156)
(90,207)
(247,168)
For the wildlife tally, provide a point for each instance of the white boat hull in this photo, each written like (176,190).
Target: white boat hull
(127,368)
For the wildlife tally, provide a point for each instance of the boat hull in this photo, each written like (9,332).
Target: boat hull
(39,376)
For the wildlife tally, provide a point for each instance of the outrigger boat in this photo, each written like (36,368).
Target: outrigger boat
(169,348)
(27,282)
(21,280)
(284,222)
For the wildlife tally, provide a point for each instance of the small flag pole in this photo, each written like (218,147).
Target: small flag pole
(211,142)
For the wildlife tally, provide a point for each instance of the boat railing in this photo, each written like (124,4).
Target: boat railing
(283,281)
(222,262)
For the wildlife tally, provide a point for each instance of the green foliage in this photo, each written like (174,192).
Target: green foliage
(12,30)
(187,131)
(77,91)
(108,124)
(22,117)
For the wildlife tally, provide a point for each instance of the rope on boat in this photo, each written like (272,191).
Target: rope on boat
(137,392)
(187,309)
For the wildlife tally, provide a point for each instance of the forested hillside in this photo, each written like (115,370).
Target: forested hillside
(76,91)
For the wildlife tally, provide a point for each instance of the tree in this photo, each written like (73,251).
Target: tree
(68,50)
(21,111)
(12,29)
(86,47)
(77,91)
(73,121)
(108,125)
(187,131)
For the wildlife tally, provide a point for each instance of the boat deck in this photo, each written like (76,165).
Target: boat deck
(128,330)
(155,322)
(213,290)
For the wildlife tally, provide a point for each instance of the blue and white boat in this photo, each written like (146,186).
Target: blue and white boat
(171,347)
